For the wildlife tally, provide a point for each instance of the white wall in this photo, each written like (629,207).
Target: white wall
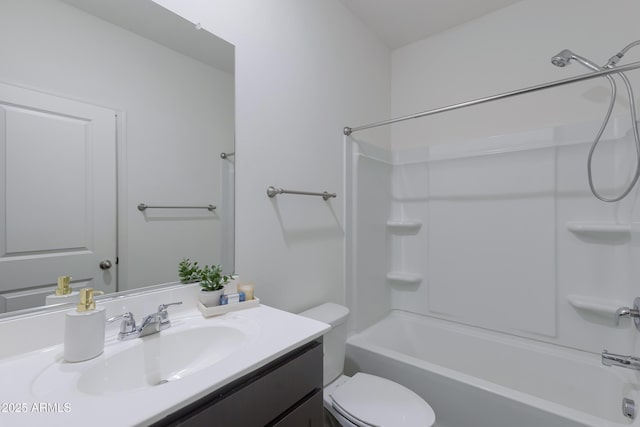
(304,70)
(174,106)
(507,50)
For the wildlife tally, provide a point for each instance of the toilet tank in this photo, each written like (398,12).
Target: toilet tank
(335,340)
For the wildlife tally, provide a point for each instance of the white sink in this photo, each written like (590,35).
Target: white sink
(190,345)
(144,379)
(160,358)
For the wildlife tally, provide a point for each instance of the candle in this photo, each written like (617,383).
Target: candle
(247,288)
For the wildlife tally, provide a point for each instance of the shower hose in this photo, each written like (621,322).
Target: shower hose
(634,124)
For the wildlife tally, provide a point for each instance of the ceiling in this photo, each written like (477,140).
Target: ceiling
(154,22)
(400,22)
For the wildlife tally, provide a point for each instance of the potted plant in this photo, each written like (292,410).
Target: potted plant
(188,272)
(212,282)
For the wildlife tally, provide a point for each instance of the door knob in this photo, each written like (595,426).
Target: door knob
(105,265)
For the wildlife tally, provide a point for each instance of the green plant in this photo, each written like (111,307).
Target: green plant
(212,279)
(188,272)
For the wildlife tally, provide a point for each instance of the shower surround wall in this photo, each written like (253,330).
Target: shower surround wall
(500,233)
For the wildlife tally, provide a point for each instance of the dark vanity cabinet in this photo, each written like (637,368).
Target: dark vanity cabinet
(285,393)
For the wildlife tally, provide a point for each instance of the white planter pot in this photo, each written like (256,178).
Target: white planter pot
(210,298)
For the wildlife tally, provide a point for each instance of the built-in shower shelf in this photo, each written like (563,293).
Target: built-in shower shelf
(404,226)
(404,278)
(601,307)
(603,229)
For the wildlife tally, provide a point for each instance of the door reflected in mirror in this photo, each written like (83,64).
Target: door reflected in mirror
(105,106)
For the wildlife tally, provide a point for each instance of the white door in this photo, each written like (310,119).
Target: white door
(57,195)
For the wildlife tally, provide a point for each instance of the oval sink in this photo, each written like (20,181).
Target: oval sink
(160,358)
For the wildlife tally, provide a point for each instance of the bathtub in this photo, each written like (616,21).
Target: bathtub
(477,378)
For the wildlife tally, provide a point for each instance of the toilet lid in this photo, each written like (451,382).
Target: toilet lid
(370,401)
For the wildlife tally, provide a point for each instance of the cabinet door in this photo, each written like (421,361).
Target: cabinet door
(57,194)
(308,414)
(290,387)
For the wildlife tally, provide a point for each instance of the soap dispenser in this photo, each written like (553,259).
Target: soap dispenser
(84,329)
(64,293)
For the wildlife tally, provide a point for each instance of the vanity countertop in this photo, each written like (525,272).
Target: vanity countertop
(39,388)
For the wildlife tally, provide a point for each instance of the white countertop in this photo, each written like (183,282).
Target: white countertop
(40,389)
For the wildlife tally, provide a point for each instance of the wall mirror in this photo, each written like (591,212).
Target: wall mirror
(104,106)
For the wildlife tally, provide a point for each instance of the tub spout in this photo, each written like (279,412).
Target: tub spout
(629,362)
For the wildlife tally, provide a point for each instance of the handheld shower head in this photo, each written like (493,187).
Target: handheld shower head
(564,57)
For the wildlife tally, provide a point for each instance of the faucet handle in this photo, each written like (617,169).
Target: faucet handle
(626,312)
(127,327)
(633,313)
(163,307)
(126,317)
(164,315)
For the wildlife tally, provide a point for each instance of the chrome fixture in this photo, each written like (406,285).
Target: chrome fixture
(273,192)
(629,408)
(128,328)
(157,321)
(602,73)
(151,324)
(632,313)
(563,59)
(142,207)
(618,56)
(105,264)
(226,155)
(629,362)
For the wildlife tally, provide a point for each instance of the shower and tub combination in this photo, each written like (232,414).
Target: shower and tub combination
(486,277)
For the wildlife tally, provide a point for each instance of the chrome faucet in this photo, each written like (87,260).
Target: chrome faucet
(151,324)
(629,362)
(157,321)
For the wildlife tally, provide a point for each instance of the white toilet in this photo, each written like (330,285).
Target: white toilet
(363,400)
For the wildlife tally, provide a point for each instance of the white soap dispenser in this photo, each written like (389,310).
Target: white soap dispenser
(64,292)
(84,329)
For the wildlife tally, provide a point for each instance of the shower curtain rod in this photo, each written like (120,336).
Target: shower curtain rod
(634,65)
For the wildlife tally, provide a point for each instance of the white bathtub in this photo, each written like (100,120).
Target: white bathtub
(477,378)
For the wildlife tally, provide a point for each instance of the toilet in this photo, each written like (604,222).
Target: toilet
(363,400)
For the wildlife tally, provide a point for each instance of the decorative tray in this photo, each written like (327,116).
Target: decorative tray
(222,309)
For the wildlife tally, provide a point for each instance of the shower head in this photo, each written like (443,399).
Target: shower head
(564,57)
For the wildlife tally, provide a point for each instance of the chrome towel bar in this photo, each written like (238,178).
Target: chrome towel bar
(142,207)
(273,191)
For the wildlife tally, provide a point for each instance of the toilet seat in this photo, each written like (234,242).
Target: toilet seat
(370,401)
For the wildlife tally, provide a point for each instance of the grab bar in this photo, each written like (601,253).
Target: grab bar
(142,207)
(273,192)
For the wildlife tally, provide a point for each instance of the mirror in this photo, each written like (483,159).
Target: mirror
(104,106)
